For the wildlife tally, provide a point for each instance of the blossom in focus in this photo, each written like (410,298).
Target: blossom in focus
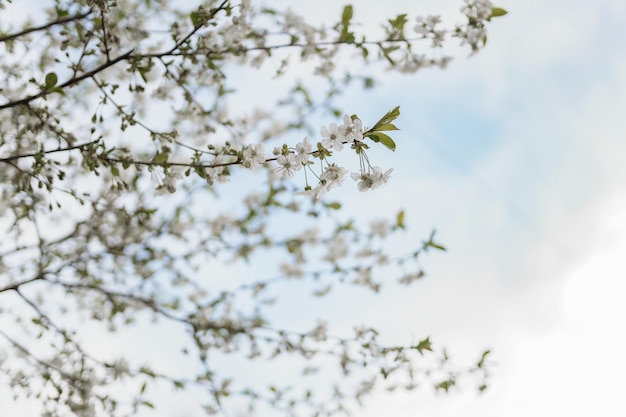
(333,137)
(370,180)
(352,129)
(333,176)
(288,165)
(253,156)
(303,151)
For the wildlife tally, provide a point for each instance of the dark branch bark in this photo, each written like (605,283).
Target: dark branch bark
(26,155)
(45,26)
(16,286)
(70,82)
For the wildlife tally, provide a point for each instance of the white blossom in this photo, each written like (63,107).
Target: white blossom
(337,248)
(325,68)
(333,176)
(291,270)
(333,137)
(303,151)
(352,129)
(320,332)
(314,192)
(477,9)
(379,228)
(169,182)
(364,278)
(472,36)
(288,165)
(120,368)
(253,156)
(310,235)
(371,179)
(427,25)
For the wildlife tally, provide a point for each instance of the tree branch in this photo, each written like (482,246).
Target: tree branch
(69,148)
(70,82)
(44,26)
(17,285)
(195,29)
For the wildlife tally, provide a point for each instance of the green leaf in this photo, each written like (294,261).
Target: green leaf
(398,22)
(161,158)
(115,171)
(497,12)
(437,246)
(58,90)
(388,142)
(431,243)
(445,385)
(386,127)
(346,16)
(397,26)
(481,362)
(400,219)
(142,73)
(424,345)
(334,205)
(147,371)
(387,118)
(148,404)
(196,19)
(61,13)
(51,80)
(384,139)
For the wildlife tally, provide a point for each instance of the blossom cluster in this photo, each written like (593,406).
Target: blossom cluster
(473,34)
(334,137)
(293,159)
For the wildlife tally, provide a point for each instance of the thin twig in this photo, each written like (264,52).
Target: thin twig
(69,148)
(71,81)
(43,27)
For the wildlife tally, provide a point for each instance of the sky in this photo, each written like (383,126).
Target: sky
(516,157)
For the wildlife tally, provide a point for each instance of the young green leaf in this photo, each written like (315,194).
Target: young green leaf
(346,16)
(445,385)
(431,243)
(424,345)
(196,19)
(387,118)
(387,126)
(161,158)
(497,12)
(51,80)
(481,362)
(384,139)
(400,219)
